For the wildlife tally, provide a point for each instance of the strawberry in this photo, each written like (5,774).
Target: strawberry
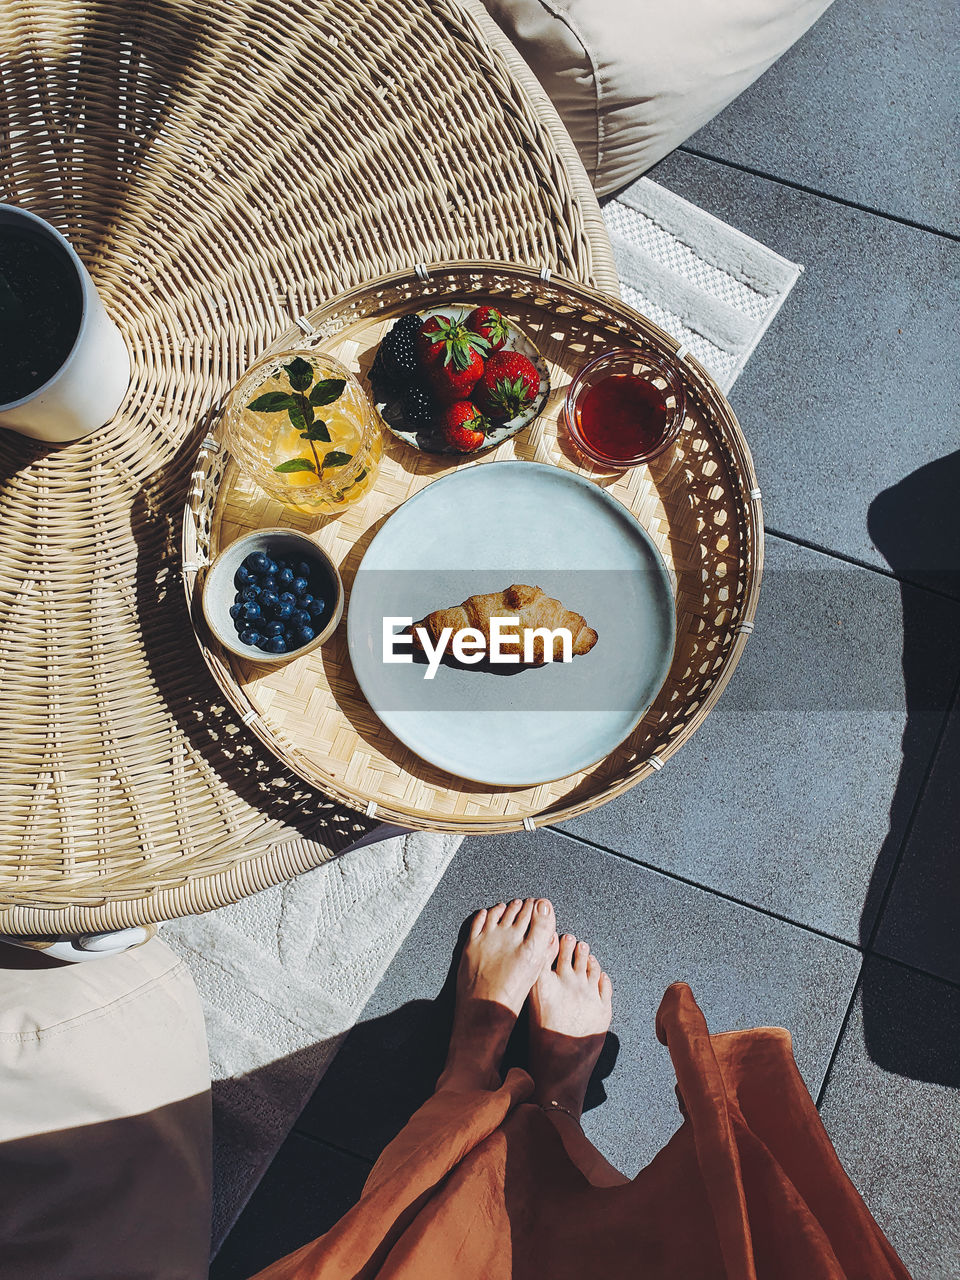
(450,382)
(490,324)
(510,382)
(445,341)
(464,426)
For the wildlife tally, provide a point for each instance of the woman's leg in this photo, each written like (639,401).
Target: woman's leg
(507,948)
(570,1011)
(509,955)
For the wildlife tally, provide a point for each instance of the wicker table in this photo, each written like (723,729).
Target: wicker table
(221,175)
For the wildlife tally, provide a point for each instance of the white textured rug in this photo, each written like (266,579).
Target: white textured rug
(285,974)
(710,286)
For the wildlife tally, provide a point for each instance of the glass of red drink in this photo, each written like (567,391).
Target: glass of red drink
(625,407)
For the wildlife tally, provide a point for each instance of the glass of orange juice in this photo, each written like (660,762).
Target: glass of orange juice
(301,426)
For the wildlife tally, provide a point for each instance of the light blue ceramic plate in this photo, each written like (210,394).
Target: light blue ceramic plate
(481,529)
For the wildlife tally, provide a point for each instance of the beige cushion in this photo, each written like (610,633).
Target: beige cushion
(104,1121)
(632,79)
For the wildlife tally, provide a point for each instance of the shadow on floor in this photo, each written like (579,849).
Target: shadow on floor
(386,1069)
(915,524)
(99,1199)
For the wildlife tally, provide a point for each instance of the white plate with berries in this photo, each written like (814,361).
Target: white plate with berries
(457,379)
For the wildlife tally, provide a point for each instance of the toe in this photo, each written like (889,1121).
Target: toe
(495,913)
(593,968)
(512,911)
(541,924)
(565,957)
(543,910)
(580,957)
(606,987)
(525,914)
(476,924)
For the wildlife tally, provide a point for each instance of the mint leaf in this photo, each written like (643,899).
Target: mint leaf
(295,464)
(272,402)
(317,431)
(295,412)
(300,373)
(327,390)
(336,458)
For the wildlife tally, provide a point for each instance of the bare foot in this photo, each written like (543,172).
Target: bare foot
(507,948)
(569,1018)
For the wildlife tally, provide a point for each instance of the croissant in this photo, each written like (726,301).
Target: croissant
(533,608)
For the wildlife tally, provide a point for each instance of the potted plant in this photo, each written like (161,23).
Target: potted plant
(64,368)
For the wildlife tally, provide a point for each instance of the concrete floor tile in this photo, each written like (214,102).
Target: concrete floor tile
(919,923)
(796,792)
(307,1189)
(849,404)
(648,930)
(864,107)
(894,1118)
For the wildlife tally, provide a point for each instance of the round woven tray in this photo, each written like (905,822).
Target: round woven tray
(699,501)
(221,168)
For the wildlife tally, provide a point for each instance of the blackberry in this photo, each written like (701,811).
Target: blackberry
(377,372)
(397,348)
(418,406)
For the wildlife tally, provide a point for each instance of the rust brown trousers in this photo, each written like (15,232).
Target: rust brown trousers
(479,1186)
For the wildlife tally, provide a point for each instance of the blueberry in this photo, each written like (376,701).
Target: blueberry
(249,636)
(236,610)
(285,576)
(302,569)
(268,582)
(281,564)
(299,618)
(275,644)
(316,607)
(269,567)
(241,577)
(250,592)
(274,628)
(256,562)
(299,585)
(282,610)
(268,599)
(305,635)
(304,601)
(251,611)
(287,597)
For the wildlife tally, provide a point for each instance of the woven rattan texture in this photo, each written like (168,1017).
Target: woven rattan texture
(221,168)
(699,502)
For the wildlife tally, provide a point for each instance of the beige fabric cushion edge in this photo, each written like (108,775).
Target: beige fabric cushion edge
(85,1043)
(551,44)
(632,79)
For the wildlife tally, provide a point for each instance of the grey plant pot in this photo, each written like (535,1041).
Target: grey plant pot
(87,389)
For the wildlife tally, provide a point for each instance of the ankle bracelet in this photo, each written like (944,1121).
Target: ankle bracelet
(553,1105)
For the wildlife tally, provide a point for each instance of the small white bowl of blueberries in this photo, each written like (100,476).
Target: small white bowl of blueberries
(272,596)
